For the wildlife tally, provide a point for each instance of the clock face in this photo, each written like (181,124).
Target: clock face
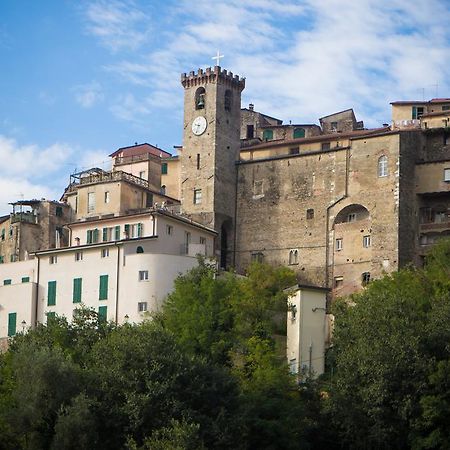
(199,125)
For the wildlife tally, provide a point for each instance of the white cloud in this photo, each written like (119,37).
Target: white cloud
(119,25)
(88,95)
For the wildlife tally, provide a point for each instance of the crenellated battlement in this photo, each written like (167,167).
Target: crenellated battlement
(212,75)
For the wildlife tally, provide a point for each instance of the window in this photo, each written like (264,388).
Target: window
(6,282)
(310,213)
(102,313)
(339,244)
(25,279)
(202,240)
(169,230)
(136,230)
(197,196)
(143,275)
(149,200)
(338,282)
(250,131)
(257,257)
(258,188)
(228,100)
(78,256)
(76,294)
(105,252)
(187,241)
(383,166)
(200,95)
(366,241)
(53,259)
(365,278)
(106,234)
(103,288)
(293,256)
(107,197)
(51,293)
(334,126)
(294,150)
(126,230)
(142,306)
(325,146)
(198,161)
(2,259)
(92,236)
(58,211)
(139,250)
(164,168)
(447,174)
(417,112)
(267,135)
(91,202)
(299,133)
(162,190)
(351,217)
(142,174)
(445,107)
(117,233)
(12,323)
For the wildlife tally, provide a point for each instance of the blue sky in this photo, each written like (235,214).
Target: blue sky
(80,79)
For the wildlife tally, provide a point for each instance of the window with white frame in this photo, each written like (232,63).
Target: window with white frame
(293,256)
(136,230)
(53,259)
(78,256)
(197,196)
(143,275)
(142,306)
(107,197)
(383,166)
(447,174)
(339,244)
(367,241)
(91,202)
(105,252)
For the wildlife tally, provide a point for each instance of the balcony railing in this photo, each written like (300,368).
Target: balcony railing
(116,175)
(435,226)
(131,159)
(24,216)
(408,123)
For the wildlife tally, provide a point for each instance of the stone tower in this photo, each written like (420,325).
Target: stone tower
(211,143)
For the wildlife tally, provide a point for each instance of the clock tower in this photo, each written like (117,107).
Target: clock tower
(211,144)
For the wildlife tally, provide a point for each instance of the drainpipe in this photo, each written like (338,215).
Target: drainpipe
(37,291)
(117,283)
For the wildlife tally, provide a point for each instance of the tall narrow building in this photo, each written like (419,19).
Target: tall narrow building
(211,144)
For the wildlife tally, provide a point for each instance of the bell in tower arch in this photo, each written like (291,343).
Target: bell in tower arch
(200,98)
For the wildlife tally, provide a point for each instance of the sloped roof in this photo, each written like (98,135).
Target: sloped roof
(141,149)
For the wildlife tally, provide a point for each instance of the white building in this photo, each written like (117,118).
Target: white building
(121,266)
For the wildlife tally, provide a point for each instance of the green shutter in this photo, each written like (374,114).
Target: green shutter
(117,233)
(102,313)
(267,135)
(299,133)
(25,279)
(6,282)
(127,230)
(164,168)
(2,259)
(12,321)
(89,237)
(105,234)
(77,283)
(51,293)
(95,235)
(414,112)
(139,229)
(103,291)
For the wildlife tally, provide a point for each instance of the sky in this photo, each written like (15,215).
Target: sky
(80,79)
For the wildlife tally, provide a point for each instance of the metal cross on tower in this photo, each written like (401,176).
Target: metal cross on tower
(217,58)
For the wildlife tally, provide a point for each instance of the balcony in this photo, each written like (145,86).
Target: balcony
(435,226)
(407,123)
(132,159)
(24,217)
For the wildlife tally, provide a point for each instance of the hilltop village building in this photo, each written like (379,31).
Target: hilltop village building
(336,202)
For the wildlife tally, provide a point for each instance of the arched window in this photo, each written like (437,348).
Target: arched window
(299,133)
(267,135)
(200,98)
(139,250)
(163,189)
(383,166)
(228,100)
(293,256)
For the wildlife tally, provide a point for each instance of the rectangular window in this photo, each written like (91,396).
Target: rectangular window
(197,196)
(136,230)
(169,230)
(51,293)
(91,202)
(105,235)
(339,244)
(142,306)
(202,240)
(2,259)
(78,256)
(59,211)
(164,168)
(143,275)
(77,284)
(12,323)
(103,288)
(198,161)
(366,241)
(117,233)
(351,217)
(257,257)
(365,278)
(250,131)
(326,146)
(417,112)
(258,188)
(105,252)
(126,231)
(447,174)
(334,126)
(187,241)
(6,282)
(107,198)
(310,213)
(25,279)
(53,259)
(294,150)
(338,282)
(102,313)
